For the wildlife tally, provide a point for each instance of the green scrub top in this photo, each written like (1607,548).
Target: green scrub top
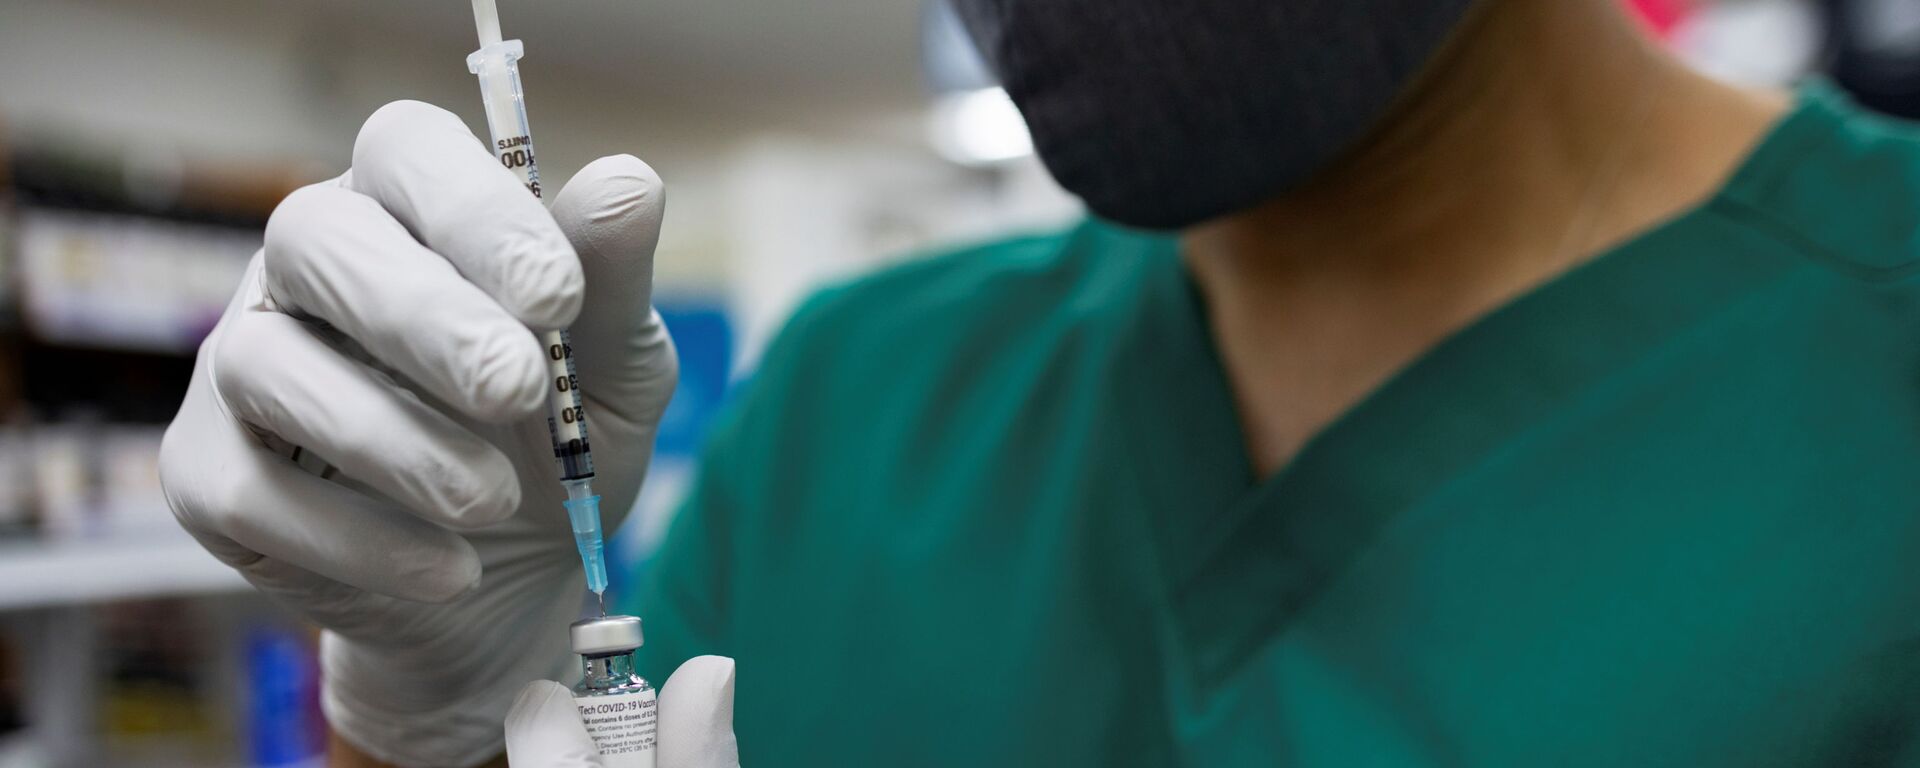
(994,508)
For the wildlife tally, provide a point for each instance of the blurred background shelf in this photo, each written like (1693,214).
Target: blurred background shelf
(41,574)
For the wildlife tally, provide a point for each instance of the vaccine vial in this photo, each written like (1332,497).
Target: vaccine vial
(616,705)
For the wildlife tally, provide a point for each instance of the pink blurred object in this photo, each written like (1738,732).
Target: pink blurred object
(1661,15)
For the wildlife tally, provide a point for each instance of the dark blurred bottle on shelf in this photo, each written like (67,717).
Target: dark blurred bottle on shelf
(16,477)
(159,698)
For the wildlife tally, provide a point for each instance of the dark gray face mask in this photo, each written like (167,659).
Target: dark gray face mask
(1165,113)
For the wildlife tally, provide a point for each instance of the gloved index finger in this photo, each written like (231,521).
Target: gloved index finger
(427,169)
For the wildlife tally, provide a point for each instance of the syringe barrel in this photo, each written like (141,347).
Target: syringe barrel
(497,66)
(566,415)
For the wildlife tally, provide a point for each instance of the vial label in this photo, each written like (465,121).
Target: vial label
(622,726)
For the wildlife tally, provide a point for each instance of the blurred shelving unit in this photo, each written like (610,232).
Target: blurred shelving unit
(57,574)
(122,641)
(107,287)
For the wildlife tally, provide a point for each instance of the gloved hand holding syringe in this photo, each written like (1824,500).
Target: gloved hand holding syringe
(364,436)
(496,65)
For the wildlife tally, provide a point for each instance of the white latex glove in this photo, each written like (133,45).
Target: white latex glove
(384,328)
(695,728)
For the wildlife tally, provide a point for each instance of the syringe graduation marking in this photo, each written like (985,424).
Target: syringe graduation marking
(567,417)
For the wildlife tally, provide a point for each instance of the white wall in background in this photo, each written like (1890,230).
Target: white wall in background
(805,213)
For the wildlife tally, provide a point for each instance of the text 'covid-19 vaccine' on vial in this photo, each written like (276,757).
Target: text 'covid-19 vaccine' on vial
(617,706)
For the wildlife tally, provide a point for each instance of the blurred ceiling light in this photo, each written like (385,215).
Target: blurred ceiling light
(973,122)
(978,127)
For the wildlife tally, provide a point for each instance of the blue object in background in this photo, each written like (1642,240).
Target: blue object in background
(703,335)
(283,724)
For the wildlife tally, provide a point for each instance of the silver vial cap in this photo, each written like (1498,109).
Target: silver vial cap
(605,634)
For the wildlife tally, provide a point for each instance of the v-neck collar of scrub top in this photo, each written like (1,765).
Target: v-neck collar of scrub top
(1232,545)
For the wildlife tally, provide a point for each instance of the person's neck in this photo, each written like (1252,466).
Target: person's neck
(1546,132)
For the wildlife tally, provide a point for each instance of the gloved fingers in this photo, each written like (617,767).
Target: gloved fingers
(284,513)
(611,212)
(344,608)
(544,730)
(341,607)
(423,165)
(248,503)
(337,256)
(696,716)
(277,374)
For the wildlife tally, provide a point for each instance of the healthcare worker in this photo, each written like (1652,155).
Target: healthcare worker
(1442,382)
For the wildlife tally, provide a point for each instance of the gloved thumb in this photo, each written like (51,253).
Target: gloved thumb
(544,730)
(611,212)
(696,716)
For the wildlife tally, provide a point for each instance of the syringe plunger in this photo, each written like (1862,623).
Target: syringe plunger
(486,19)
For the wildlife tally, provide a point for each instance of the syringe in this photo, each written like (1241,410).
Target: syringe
(496,63)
